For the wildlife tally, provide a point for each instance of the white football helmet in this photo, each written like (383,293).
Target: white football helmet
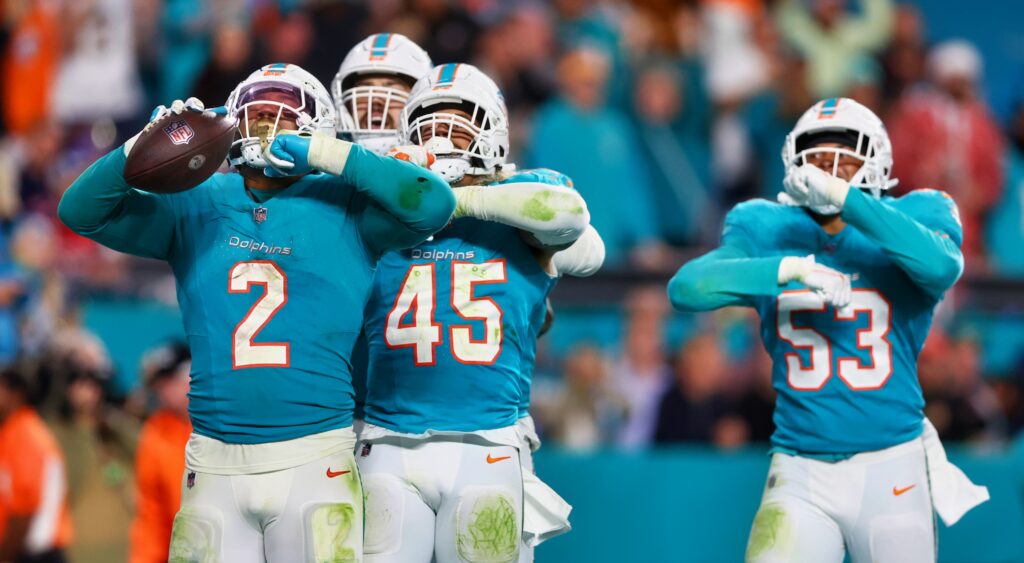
(842,120)
(382,53)
(274,91)
(466,88)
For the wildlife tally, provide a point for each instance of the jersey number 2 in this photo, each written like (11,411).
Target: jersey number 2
(873,338)
(244,352)
(418,294)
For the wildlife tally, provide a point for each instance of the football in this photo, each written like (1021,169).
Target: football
(179,151)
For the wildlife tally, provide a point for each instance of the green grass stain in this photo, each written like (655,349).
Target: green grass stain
(411,196)
(766,531)
(537,207)
(492,534)
(189,542)
(331,525)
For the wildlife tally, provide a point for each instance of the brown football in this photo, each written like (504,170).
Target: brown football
(179,151)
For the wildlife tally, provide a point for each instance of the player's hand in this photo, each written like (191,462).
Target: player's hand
(176,108)
(810,186)
(288,155)
(833,286)
(414,154)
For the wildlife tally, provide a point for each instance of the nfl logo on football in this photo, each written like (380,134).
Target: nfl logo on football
(179,132)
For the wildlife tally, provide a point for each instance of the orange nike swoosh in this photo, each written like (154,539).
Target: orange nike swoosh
(496,459)
(898,492)
(333,474)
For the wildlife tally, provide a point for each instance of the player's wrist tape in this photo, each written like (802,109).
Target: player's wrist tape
(328,154)
(793,268)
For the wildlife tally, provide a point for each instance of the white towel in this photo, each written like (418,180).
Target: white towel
(953,494)
(546,514)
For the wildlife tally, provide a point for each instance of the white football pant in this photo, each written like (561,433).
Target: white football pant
(876,506)
(449,499)
(310,513)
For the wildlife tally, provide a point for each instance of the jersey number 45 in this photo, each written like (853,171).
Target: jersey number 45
(418,294)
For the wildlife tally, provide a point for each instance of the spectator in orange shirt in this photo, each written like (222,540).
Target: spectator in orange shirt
(35,524)
(160,458)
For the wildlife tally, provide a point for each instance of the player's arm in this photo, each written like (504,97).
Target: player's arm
(923,241)
(102,206)
(733,274)
(412,202)
(583,258)
(554,215)
(929,254)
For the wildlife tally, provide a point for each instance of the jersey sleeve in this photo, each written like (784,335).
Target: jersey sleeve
(920,232)
(100,205)
(408,202)
(733,273)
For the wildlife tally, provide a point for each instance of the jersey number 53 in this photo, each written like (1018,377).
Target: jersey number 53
(873,339)
(418,294)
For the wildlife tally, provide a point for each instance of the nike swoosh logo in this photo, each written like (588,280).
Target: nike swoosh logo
(333,474)
(496,459)
(897,492)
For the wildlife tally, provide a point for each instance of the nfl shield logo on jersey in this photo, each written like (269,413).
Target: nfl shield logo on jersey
(179,132)
(259,214)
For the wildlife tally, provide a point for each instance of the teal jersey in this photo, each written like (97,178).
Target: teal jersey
(271,294)
(451,328)
(846,380)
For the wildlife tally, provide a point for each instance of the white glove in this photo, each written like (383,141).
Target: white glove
(415,154)
(810,186)
(177,107)
(833,286)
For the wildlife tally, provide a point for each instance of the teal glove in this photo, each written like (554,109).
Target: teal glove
(288,155)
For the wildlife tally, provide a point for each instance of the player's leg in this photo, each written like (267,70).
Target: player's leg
(209,525)
(896,522)
(321,512)
(793,524)
(399,523)
(480,517)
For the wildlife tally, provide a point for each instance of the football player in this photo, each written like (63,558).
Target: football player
(451,328)
(845,282)
(372,86)
(273,263)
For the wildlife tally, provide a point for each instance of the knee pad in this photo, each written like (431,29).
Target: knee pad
(487,525)
(334,530)
(769,532)
(195,536)
(385,505)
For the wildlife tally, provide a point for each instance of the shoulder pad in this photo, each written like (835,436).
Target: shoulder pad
(934,208)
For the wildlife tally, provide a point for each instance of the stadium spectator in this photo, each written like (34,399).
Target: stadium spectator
(29,64)
(964,147)
(695,409)
(594,144)
(903,59)
(587,412)
(160,458)
(98,77)
(1005,230)
(230,63)
(97,442)
(672,128)
(641,374)
(35,524)
(831,39)
(755,405)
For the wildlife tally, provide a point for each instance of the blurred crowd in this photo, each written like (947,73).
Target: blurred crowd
(664,112)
